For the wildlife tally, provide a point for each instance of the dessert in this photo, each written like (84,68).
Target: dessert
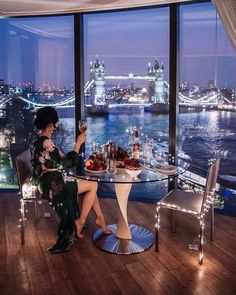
(95,163)
(132,164)
(121,157)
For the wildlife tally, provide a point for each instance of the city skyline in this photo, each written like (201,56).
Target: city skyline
(125,43)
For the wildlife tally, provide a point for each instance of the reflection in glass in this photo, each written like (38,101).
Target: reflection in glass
(36,69)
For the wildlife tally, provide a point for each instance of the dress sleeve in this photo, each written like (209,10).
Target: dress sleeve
(70,160)
(49,155)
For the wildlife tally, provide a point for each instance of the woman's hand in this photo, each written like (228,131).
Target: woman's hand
(80,140)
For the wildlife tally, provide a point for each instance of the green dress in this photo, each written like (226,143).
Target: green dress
(61,194)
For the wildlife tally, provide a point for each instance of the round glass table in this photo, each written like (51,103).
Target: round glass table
(126,238)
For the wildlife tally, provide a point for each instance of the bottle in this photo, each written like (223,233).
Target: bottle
(111,162)
(136,146)
(112,150)
(105,151)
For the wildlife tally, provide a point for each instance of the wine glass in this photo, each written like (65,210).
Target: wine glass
(82,126)
(94,148)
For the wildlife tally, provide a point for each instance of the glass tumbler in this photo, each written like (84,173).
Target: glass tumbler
(111,166)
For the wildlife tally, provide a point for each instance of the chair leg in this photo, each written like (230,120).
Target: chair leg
(212,222)
(157,226)
(22,222)
(172,220)
(201,241)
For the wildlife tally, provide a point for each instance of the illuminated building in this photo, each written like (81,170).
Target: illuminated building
(97,73)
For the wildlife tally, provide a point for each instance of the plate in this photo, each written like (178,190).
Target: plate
(133,173)
(99,172)
(166,169)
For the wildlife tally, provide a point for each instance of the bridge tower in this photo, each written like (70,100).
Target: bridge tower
(97,73)
(156,87)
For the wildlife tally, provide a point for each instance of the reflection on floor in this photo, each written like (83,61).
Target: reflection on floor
(85,269)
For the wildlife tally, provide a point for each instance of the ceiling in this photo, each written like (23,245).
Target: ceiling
(40,7)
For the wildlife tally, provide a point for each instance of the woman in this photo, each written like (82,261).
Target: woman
(62,192)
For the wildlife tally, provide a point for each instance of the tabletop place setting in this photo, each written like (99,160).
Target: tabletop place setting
(111,160)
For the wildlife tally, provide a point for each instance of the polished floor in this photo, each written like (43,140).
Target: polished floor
(29,269)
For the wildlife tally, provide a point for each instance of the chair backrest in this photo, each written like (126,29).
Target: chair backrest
(23,167)
(212,174)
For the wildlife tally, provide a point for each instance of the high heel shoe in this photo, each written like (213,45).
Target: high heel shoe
(101,222)
(57,249)
(62,245)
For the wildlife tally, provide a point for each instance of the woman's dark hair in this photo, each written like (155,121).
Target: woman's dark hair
(45,116)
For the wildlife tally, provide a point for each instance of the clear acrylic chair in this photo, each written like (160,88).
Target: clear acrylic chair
(29,193)
(192,203)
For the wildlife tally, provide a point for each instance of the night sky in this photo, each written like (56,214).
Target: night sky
(40,49)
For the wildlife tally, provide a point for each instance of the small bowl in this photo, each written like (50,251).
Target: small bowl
(94,171)
(133,173)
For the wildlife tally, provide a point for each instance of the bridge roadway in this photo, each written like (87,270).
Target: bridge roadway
(69,101)
(206,100)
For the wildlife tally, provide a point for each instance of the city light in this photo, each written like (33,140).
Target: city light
(127,84)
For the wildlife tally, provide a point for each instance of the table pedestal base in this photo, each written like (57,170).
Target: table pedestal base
(142,239)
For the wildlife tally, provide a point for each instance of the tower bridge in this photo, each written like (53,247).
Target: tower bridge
(155,77)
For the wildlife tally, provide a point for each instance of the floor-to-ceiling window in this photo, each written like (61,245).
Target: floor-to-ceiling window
(126,85)
(36,69)
(126,71)
(207,121)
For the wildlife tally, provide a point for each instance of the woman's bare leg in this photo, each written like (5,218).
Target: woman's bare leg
(99,217)
(89,188)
